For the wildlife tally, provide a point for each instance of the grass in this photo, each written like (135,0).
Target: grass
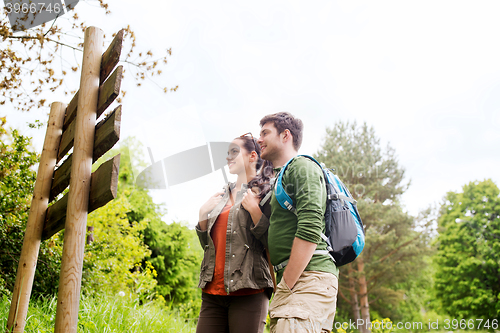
(104,314)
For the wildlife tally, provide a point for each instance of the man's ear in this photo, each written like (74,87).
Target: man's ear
(287,135)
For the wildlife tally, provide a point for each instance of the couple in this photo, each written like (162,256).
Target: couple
(241,225)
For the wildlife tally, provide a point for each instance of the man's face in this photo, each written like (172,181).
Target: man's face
(270,142)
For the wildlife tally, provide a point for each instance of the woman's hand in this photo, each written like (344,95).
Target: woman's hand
(251,203)
(207,207)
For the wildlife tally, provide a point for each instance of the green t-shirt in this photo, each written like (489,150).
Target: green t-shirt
(303,181)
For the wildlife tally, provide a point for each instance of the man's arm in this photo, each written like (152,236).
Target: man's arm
(310,199)
(301,254)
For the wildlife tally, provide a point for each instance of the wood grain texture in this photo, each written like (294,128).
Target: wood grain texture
(107,134)
(103,189)
(32,238)
(78,195)
(112,55)
(67,141)
(71,111)
(108,92)
(109,60)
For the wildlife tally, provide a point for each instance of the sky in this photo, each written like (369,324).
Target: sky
(425,75)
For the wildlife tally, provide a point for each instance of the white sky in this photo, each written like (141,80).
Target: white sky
(425,75)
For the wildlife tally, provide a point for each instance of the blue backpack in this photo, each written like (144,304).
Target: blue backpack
(344,233)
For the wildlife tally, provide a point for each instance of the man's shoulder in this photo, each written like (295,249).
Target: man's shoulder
(304,163)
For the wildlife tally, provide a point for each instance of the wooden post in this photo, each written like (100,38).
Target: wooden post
(36,219)
(78,197)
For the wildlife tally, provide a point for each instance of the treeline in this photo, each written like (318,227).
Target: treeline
(443,263)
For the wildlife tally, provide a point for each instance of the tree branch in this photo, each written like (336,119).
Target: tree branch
(47,39)
(343,297)
(397,249)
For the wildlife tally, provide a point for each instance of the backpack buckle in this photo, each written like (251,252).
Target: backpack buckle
(334,196)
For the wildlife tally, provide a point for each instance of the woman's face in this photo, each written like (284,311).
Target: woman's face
(237,157)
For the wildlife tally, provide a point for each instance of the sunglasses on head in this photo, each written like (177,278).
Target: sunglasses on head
(253,140)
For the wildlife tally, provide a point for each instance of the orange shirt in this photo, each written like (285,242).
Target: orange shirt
(218,234)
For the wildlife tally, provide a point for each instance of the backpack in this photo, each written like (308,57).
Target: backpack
(344,232)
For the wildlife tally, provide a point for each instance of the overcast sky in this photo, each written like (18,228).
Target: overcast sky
(425,75)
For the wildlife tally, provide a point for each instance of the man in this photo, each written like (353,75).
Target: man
(306,295)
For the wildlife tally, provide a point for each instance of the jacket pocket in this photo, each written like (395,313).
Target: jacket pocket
(204,265)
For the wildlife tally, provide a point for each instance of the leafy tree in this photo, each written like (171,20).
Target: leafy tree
(132,249)
(17,179)
(176,257)
(394,248)
(40,58)
(467,279)
(133,245)
(114,257)
(113,260)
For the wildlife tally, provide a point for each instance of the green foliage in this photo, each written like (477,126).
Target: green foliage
(17,179)
(104,314)
(133,245)
(357,158)
(173,254)
(467,279)
(112,262)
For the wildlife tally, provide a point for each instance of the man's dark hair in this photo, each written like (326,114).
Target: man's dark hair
(283,121)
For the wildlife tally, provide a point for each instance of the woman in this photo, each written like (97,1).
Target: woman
(235,276)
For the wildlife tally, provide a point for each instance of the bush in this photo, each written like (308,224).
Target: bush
(105,314)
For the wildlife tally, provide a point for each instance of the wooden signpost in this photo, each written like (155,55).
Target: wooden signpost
(72,126)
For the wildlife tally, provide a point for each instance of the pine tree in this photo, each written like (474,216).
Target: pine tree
(393,248)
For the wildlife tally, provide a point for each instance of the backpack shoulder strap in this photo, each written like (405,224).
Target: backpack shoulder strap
(283,198)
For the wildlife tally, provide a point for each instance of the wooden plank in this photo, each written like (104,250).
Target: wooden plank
(107,134)
(107,94)
(103,188)
(56,216)
(71,111)
(67,141)
(36,218)
(110,59)
(104,185)
(112,55)
(61,178)
(78,196)
(109,90)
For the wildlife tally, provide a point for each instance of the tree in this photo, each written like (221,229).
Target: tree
(176,256)
(467,279)
(113,260)
(40,58)
(17,179)
(115,256)
(393,246)
(133,245)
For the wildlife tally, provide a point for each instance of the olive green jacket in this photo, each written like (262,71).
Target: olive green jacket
(246,263)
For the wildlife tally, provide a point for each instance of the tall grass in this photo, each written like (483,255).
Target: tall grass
(104,314)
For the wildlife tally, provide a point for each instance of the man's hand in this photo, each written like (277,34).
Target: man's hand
(301,254)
